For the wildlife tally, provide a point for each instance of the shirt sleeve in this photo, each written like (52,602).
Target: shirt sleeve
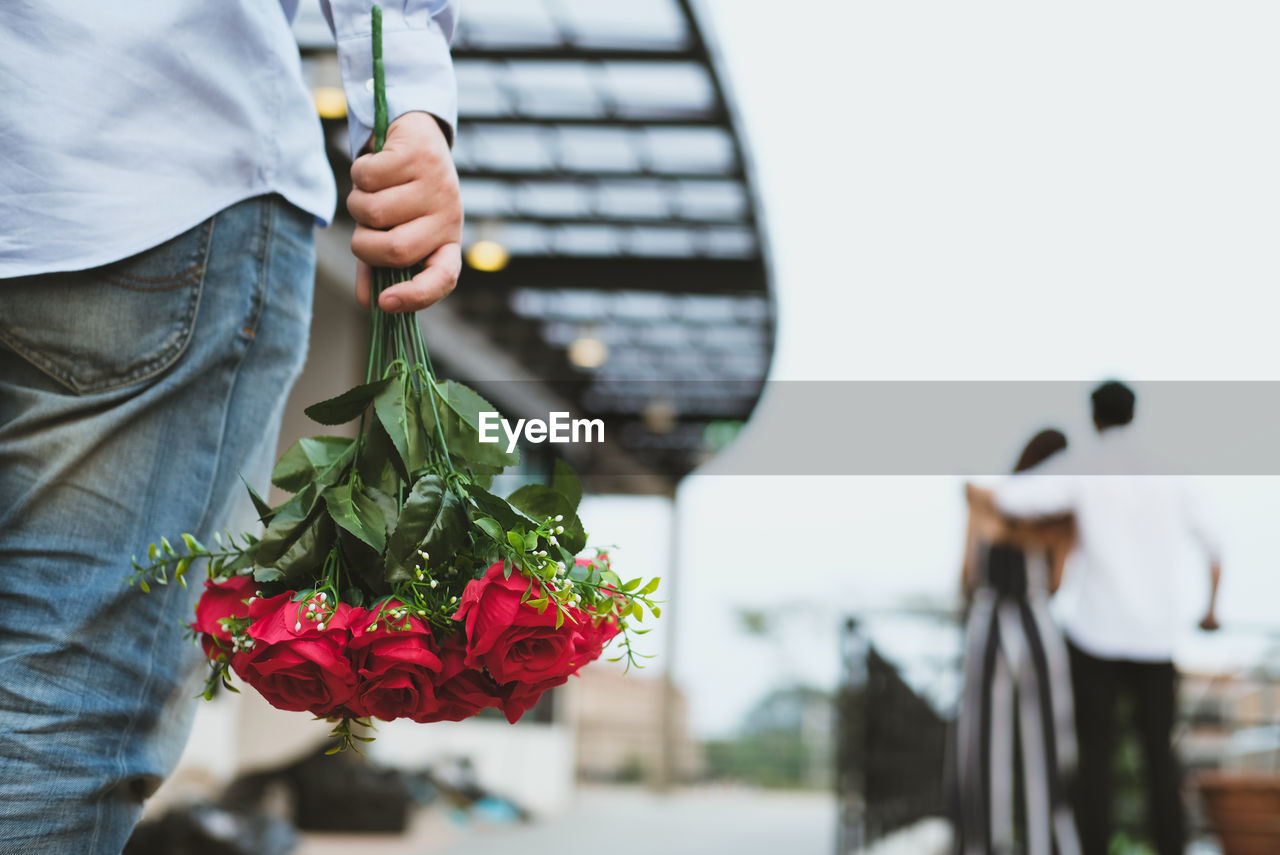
(1200,521)
(1036,495)
(415,54)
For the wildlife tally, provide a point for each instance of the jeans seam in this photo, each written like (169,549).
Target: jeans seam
(266,233)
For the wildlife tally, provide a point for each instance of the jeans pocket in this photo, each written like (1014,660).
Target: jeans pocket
(112,326)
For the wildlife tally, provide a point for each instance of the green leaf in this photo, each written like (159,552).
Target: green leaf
(358,514)
(459,409)
(286,526)
(540,502)
(530,541)
(490,527)
(633,584)
(387,506)
(565,482)
(267,574)
(364,562)
(433,519)
(347,406)
(265,511)
(305,556)
(376,467)
(498,508)
(516,539)
(649,588)
(316,458)
(397,408)
(482,476)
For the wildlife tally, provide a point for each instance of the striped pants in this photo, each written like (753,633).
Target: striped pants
(1017,686)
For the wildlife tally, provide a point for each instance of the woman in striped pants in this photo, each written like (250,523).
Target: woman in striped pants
(1017,685)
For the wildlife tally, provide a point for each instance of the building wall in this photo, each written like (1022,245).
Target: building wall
(617,721)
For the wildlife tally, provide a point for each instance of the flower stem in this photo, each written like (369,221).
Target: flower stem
(379,84)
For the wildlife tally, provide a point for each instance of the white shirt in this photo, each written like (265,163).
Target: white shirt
(124,124)
(1119,595)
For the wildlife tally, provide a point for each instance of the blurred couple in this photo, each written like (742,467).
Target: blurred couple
(1086,518)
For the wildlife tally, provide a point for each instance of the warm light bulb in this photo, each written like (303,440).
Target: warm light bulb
(588,352)
(330,101)
(487,255)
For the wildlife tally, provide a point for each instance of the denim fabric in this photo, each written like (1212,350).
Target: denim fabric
(133,397)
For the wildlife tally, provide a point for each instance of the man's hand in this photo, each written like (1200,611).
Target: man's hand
(407,209)
(1210,620)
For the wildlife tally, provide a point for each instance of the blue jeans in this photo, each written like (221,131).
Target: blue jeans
(133,397)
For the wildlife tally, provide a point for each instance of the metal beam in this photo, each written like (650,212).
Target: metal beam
(710,119)
(666,275)
(588,176)
(608,220)
(568,53)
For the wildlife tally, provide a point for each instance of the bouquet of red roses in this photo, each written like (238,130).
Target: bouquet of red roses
(393,584)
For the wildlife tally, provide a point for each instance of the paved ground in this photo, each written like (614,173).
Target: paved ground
(624,822)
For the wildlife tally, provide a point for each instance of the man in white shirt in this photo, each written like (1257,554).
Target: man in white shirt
(1119,610)
(162,168)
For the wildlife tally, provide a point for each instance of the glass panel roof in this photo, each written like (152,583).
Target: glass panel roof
(660,89)
(634,198)
(513,147)
(553,88)
(479,90)
(599,23)
(507,22)
(599,149)
(691,150)
(589,240)
(712,200)
(662,242)
(552,199)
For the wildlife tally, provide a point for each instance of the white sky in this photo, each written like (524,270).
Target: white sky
(976,191)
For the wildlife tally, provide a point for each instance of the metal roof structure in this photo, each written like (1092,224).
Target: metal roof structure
(615,258)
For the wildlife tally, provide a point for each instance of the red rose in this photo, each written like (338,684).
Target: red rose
(221,600)
(397,667)
(519,698)
(591,637)
(461,691)
(295,663)
(513,640)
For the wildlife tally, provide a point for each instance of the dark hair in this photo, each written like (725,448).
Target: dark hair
(1043,445)
(1112,404)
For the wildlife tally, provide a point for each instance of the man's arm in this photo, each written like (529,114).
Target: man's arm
(1031,495)
(405,199)
(1205,531)
(1210,620)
